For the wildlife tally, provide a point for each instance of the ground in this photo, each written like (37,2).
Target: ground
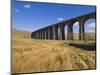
(30,55)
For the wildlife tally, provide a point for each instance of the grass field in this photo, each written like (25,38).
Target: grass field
(39,56)
(29,55)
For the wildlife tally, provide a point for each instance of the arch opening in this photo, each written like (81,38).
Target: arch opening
(65,31)
(59,35)
(90,29)
(76,31)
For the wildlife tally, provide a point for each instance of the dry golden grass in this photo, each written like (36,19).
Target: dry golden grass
(45,55)
(29,55)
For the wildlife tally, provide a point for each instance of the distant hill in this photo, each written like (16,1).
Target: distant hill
(88,36)
(16,33)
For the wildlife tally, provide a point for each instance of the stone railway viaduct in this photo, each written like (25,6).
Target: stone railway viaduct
(51,32)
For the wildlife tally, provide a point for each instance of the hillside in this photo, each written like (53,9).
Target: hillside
(88,36)
(16,33)
(26,34)
(30,55)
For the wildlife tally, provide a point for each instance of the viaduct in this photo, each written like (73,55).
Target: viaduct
(51,32)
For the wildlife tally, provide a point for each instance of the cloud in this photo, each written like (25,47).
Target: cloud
(76,23)
(60,18)
(27,6)
(16,10)
(91,26)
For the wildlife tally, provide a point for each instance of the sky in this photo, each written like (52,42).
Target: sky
(31,16)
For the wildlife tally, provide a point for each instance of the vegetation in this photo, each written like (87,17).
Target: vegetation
(30,55)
